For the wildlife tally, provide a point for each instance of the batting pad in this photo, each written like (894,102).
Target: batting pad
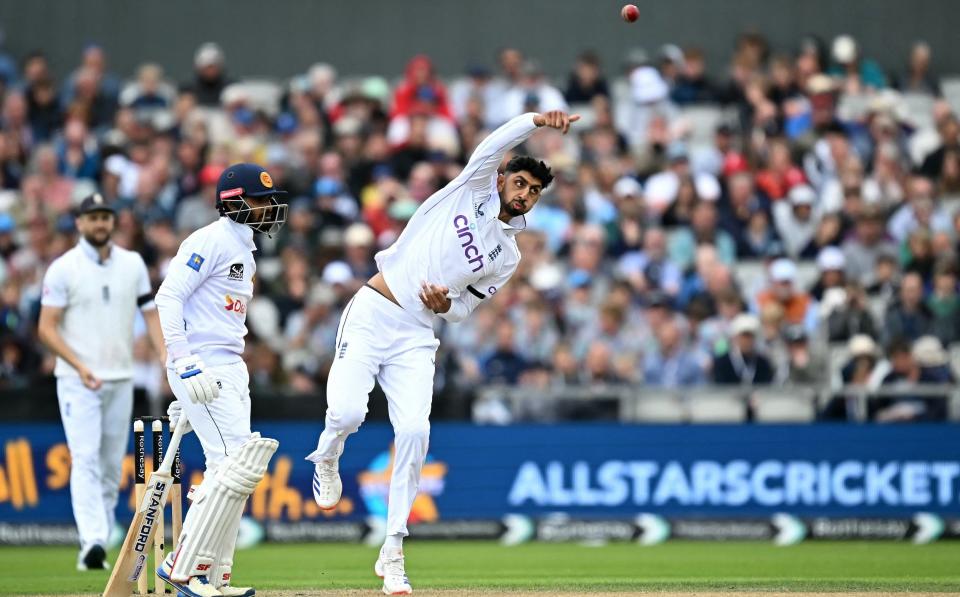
(217,507)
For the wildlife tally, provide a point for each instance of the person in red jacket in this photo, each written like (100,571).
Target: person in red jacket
(420,74)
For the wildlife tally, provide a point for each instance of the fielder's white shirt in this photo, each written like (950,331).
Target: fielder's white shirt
(203,300)
(455,238)
(99,302)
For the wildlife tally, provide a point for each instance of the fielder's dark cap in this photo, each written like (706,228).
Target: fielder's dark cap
(246,180)
(95,202)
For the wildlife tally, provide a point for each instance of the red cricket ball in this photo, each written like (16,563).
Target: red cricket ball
(630,12)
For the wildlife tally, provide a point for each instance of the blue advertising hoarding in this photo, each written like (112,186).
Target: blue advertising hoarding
(587,471)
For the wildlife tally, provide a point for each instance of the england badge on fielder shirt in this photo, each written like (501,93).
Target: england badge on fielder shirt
(195,262)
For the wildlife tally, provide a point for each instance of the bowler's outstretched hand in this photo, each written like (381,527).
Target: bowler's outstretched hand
(556,119)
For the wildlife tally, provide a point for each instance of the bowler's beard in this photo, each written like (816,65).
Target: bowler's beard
(507,207)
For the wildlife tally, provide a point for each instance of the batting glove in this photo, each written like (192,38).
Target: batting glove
(201,388)
(174,411)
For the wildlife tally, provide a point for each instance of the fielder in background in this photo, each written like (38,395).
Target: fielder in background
(90,299)
(457,250)
(203,312)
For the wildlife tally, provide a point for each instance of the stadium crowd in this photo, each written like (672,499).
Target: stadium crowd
(792,222)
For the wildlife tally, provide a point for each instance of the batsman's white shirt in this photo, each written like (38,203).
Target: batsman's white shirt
(203,300)
(100,303)
(455,238)
(203,311)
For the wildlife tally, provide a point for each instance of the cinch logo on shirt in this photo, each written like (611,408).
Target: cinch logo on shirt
(195,262)
(470,250)
(235,305)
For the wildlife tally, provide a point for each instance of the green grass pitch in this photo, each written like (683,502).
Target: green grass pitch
(677,567)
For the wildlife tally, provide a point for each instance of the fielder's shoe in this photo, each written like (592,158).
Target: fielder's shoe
(197,586)
(389,567)
(94,558)
(327,486)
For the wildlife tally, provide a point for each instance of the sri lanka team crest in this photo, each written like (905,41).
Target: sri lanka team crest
(375,487)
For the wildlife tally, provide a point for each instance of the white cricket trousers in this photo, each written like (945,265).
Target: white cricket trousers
(97,426)
(224,423)
(221,426)
(379,340)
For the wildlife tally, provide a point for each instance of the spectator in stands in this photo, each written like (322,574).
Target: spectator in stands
(673,364)
(847,314)
(77,152)
(944,301)
(504,364)
(949,129)
(694,86)
(420,81)
(534,93)
(925,362)
(920,211)
(866,245)
(150,91)
(43,105)
(805,365)
(737,211)
(918,78)
(857,376)
(650,269)
(743,363)
(831,264)
(586,81)
(649,95)
(918,255)
(909,317)
(798,306)
(858,73)
(703,230)
(210,76)
(797,219)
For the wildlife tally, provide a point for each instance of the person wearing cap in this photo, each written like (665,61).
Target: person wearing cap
(832,267)
(203,308)
(923,362)
(796,219)
(458,249)
(804,366)
(853,67)
(89,304)
(210,78)
(860,372)
(743,364)
(798,306)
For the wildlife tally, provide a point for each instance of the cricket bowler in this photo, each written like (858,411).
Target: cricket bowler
(458,249)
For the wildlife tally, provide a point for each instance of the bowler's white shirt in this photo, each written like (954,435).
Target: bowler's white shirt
(99,302)
(203,300)
(455,238)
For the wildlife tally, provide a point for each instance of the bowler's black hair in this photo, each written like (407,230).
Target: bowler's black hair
(534,167)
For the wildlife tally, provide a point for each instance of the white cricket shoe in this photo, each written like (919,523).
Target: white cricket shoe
(327,486)
(196,586)
(228,591)
(389,567)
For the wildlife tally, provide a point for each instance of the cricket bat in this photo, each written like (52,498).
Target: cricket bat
(136,547)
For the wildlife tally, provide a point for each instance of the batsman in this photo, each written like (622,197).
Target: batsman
(202,305)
